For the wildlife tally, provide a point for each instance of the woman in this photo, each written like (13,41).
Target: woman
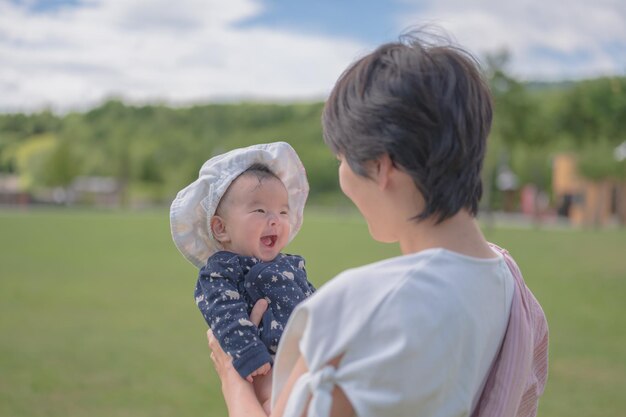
(425,333)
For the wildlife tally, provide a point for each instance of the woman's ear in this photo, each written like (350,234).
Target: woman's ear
(218,228)
(384,167)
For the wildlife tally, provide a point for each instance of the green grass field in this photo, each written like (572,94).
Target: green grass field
(97,316)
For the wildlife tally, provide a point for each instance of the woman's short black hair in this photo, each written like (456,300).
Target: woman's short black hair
(424,104)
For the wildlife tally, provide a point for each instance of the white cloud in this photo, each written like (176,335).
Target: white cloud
(188,50)
(548,39)
(193,50)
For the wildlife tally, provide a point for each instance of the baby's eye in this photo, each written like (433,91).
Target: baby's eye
(285,212)
(259,211)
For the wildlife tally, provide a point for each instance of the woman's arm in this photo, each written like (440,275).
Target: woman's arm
(239,394)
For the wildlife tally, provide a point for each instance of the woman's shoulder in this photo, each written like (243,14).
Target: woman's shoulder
(436,264)
(384,274)
(368,285)
(434,283)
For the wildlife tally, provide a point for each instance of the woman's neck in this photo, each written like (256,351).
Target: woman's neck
(460,234)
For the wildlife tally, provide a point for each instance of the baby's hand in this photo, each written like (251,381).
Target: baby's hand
(263,370)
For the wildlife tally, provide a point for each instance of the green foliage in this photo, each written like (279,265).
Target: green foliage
(31,157)
(155,150)
(532,166)
(596,161)
(61,166)
(522,134)
(587,118)
(595,109)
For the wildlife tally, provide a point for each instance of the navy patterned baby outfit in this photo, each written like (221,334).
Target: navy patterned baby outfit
(228,287)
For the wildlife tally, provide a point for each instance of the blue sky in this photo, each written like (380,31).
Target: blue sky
(366,21)
(72,54)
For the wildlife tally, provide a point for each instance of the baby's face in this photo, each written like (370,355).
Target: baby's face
(256,217)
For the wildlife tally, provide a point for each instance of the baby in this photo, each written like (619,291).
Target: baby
(232,223)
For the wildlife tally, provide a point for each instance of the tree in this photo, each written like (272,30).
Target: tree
(31,157)
(595,110)
(61,166)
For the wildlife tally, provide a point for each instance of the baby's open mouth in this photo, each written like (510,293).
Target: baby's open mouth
(269,240)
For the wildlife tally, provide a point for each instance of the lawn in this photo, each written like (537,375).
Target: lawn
(97,316)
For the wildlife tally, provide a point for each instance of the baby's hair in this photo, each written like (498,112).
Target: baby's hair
(258,170)
(426,105)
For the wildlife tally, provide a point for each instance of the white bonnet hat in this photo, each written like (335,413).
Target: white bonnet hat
(194,205)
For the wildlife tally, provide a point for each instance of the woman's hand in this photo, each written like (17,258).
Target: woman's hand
(231,380)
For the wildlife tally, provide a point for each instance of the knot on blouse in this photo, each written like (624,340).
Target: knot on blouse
(319,385)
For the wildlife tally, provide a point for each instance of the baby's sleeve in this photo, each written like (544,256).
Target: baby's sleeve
(225,311)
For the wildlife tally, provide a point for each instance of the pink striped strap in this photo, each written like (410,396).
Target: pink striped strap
(518,375)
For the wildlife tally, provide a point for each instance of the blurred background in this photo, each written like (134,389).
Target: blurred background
(108,108)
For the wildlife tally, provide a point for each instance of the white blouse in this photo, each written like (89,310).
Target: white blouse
(418,333)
